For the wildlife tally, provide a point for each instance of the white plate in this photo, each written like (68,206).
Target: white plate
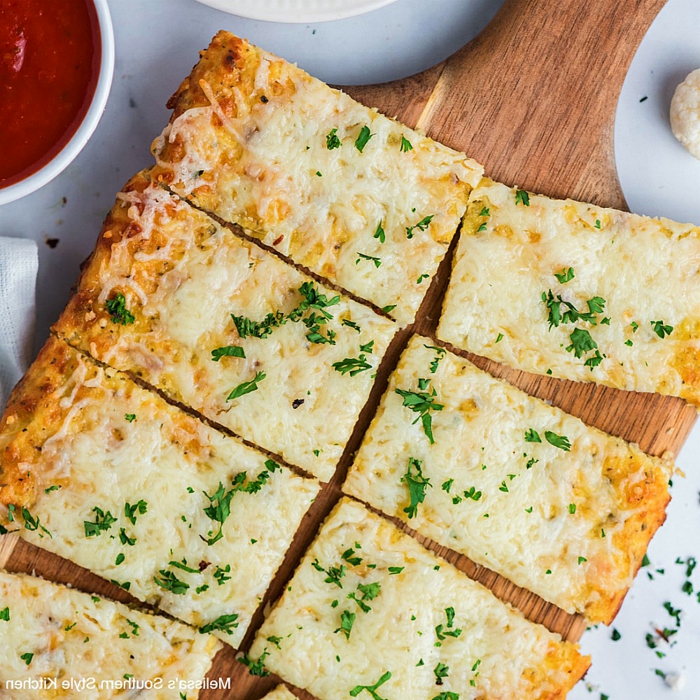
(296,11)
(658,176)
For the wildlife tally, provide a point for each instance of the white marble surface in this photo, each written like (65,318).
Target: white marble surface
(157,43)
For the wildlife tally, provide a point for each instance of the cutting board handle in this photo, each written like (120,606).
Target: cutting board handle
(533,97)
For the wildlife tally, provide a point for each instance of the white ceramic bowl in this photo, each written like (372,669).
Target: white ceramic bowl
(92,116)
(296,11)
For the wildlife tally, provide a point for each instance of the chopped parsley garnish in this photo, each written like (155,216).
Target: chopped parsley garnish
(351,324)
(361,256)
(27,658)
(116,307)
(219,507)
(615,636)
(522,197)
(444,631)
(447,485)
(103,522)
(333,573)
(634,326)
(572,508)
(441,352)
(275,640)
(393,570)
(256,668)
(422,277)
(661,329)
(227,351)
(120,559)
(532,436)
(369,592)
(448,695)
(130,417)
(183,566)
(362,139)
(131,512)
(258,329)
(485,211)
(170,582)
(126,585)
(499,337)
(246,387)
(565,275)
(441,671)
(351,557)
(371,689)
(417,484)
(581,342)
(422,225)
(629,343)
(406,145)
(379,233)
(319,174)
(332,140)
(32,523)
(223,623)
(472,494)
(55,487)
(347,620)
(503,487)
(422,403)
(5,614)
(560,441)
(134,627)
(367,347)
(481,228)
(597,223)
(388,308)
(220,574)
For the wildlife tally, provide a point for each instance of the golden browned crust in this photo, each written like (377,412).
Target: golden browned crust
(32,414)
(645,499)
(86,321)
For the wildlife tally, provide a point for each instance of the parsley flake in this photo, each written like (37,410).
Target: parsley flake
(103,522)
(422,403)
(379,233)
(352,366)
(532,436)
(116,307)
(565,275)
(661,329)
(371,689)
(246,387)
(422,225)
(227,351)
(347,620)
(362,139)
(417,485)
(332,140)
(405,145)
(560,441)
(223,623)
(522,197)
(361,256)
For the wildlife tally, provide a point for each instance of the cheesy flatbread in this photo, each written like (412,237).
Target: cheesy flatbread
(516,485)
(108,475)
(369,608)
(355,197)
(577,291)
(226,328)
(56,642)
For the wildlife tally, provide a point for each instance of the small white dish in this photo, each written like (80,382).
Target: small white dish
(296,11)
(658,176)
(39,178)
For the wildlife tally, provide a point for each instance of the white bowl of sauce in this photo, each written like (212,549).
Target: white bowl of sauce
(56,68)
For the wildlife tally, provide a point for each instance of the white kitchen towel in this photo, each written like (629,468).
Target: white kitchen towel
(19,263)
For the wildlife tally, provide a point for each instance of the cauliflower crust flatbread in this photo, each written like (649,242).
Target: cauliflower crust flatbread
(577,291)
(226,328)
(51,633)
(106,474)
(369,607)
(363,201)
(520,487)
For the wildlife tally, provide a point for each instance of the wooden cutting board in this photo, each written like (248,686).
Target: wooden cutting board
(533,98)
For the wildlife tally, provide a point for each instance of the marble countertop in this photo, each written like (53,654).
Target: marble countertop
(156,45)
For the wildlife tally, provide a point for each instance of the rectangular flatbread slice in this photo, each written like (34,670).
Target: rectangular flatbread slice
(226,328)
(516,485)
(108,475)
(353,196)
(369,607)
(577,291)
(59,642)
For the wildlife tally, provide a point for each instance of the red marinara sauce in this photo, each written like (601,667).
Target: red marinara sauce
(49,62)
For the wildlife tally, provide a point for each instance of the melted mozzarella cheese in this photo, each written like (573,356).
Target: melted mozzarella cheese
(186,312)
(258,154)
(67,638)
(420,613)
(572,526)
(114,444)
(646,271)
